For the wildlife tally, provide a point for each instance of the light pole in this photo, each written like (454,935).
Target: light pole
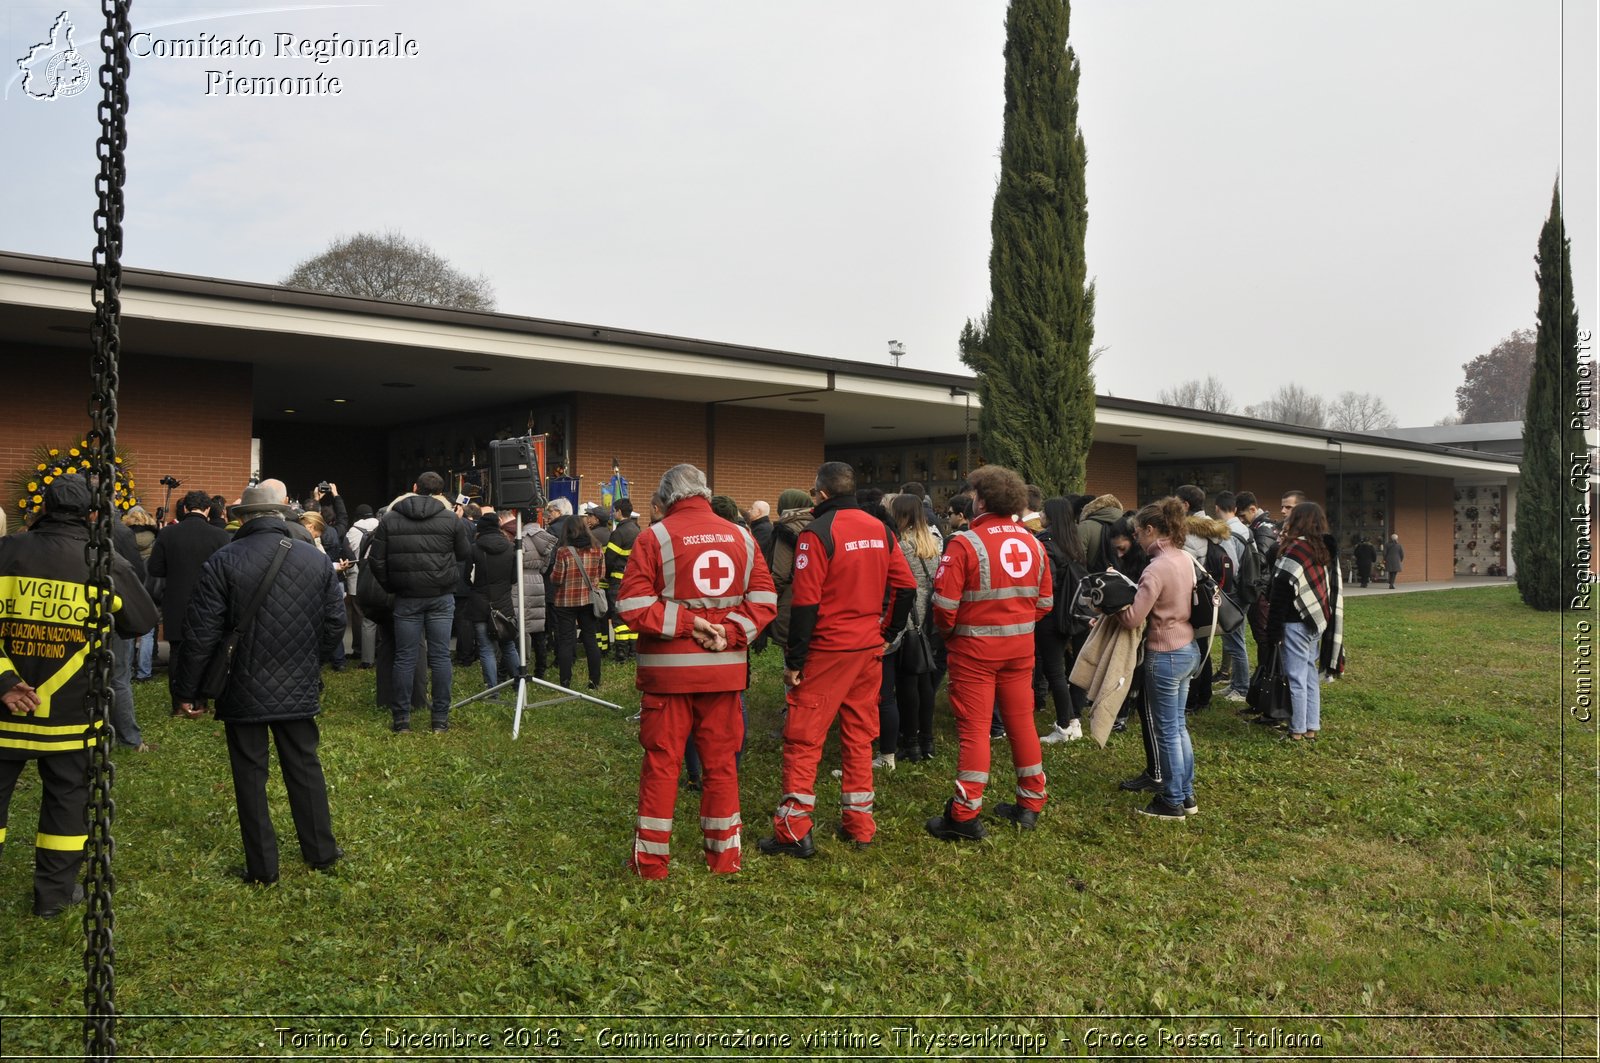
(897,351)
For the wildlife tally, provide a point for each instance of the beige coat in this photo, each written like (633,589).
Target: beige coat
(1104,670)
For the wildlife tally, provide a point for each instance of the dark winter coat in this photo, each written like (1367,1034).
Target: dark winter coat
(761,532)
(1393,555)
(277,670)
(178,556)
(419,547)
(494,577)
(1366,556)
(1094,531)
(785,537)
(44,633)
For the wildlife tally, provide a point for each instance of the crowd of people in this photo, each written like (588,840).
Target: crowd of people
(1018,603)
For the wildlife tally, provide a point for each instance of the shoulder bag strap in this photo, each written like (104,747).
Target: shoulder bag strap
(577,560)
(250,611)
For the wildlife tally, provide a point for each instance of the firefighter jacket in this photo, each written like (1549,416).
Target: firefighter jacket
(845,564)
(992,586)
(693,563)
(618,549)
(44,633)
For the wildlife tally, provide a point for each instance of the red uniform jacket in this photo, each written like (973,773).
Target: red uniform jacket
(993,584)
(845,563)
(693,563)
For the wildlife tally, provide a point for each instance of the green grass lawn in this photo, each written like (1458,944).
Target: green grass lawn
(1409,863)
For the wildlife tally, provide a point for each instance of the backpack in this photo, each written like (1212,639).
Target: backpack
(1252,574)
(1219,566)
(1210,610)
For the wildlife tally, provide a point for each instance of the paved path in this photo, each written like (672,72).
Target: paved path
(1355,590)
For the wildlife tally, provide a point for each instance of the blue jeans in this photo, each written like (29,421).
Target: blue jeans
(145,664)
(486,647)
(122,719)
(1238,659)
(1167,675)
(411,617)
(1302,647)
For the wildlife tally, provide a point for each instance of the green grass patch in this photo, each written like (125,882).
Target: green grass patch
(1410,862)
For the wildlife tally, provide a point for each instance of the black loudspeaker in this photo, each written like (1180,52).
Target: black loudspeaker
(516,481)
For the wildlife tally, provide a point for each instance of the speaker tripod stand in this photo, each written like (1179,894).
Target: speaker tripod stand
(522,680)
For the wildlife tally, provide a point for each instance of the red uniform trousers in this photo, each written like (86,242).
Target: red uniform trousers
(665,722)
(975,684)
(843,684)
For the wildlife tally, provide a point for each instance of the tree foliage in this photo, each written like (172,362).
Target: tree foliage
(1496,385)
(1031,349)
(391,267)
(1291,404)
(1210,395)
(1360,411)
(1544,543)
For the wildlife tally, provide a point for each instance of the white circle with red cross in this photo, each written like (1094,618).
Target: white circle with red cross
(1016,558)
(713,573)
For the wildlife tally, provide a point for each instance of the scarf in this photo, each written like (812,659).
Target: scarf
(1318,596)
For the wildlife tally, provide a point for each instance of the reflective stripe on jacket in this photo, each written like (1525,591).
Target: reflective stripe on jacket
(992,586)
(693,563)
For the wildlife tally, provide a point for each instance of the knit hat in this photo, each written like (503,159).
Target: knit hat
(793,498)
(68,496)
(488,522)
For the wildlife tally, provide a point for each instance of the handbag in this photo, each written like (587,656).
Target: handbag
(597,597)
(915,656)
(503,623)
(1269,687)
(1210,610)
(220,667)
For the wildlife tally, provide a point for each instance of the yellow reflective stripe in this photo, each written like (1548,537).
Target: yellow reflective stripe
(64,843)
(2,835)
(63,676)
(46,747)
(6,665)
(65,729)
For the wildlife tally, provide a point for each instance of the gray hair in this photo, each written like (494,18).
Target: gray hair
(279,489)
(561,506)
(681,482)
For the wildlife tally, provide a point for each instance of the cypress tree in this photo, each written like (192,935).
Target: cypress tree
(1544,543)
(1031,350)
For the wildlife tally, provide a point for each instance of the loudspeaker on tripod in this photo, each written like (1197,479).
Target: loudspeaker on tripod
(515,477)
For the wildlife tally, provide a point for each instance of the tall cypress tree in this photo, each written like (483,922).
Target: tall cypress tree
(1030,351)
(1543,545)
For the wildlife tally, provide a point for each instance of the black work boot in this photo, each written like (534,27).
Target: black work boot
(1022,817)
(803,849)
(947,828)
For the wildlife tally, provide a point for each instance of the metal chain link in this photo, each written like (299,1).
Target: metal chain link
(99,921)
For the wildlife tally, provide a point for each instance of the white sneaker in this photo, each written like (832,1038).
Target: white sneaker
(1057,735)
(1074,731)
(1234,695)
(883,760)
(837,773)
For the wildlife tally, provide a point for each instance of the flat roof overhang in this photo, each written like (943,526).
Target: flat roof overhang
(309,348)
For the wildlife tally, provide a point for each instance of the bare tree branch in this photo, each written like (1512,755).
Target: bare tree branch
(1209,395)
(391,267)
(1360,411)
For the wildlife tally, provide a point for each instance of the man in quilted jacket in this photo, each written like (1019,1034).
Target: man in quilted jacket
(275,685)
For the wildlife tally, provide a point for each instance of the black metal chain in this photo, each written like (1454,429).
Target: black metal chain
(99,956)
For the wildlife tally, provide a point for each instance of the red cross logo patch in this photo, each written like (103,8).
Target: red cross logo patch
(713,573)
(1016,558)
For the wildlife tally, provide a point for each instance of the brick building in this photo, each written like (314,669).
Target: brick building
(222,380)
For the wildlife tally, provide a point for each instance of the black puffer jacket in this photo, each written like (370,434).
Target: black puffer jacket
(419,547)
(277,669)
(494,577)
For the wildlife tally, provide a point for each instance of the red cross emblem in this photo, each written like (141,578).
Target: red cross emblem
(1016,558)
(713,573)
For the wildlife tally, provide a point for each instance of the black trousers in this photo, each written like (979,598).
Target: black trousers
(302,778)
(175,647)
(1052,652)
(572,626)
(466,634)
(58,845)
(383,671)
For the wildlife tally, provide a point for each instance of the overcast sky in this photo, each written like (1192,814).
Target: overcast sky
(1345,195)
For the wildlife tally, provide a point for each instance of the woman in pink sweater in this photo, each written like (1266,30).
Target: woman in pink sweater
(1171,656)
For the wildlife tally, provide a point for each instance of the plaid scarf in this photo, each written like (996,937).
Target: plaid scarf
(1318,600)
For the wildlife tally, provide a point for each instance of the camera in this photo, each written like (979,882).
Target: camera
(171,481)
(322,488)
